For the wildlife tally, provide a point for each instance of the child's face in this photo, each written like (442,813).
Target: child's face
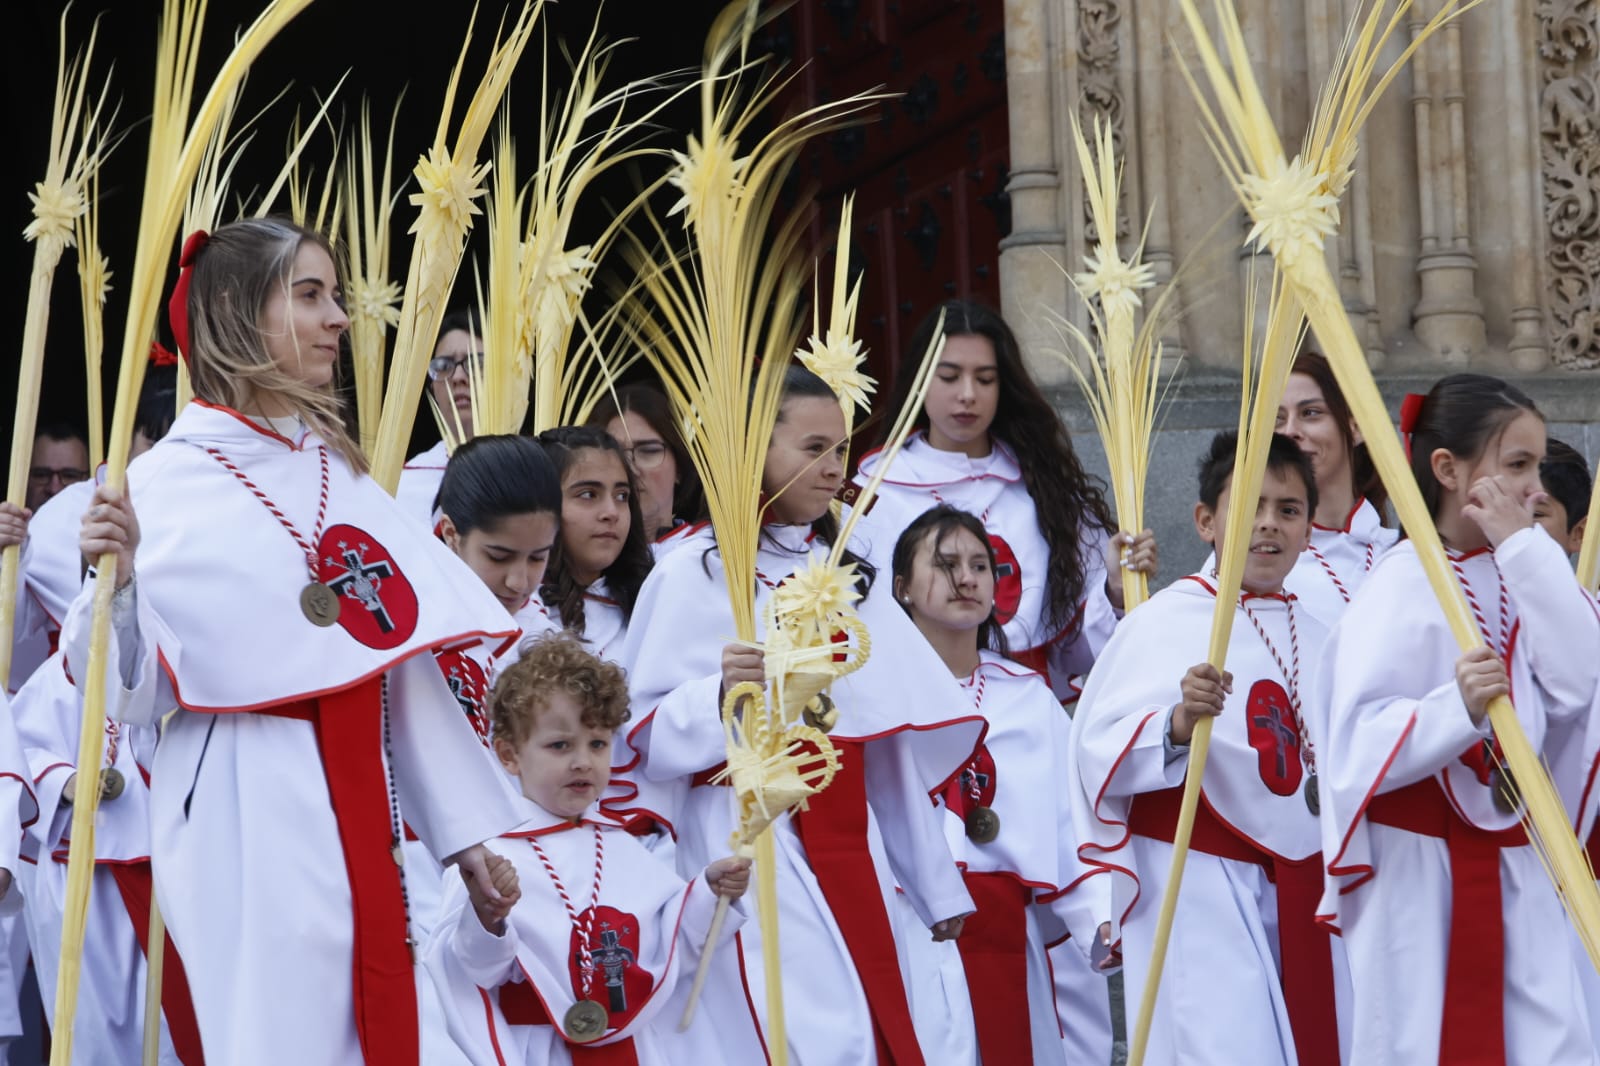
(563,765)
(594,512)
(1512,458)
(1551,513)
(509,556)
(805,461)
(951,584)
(1280,532)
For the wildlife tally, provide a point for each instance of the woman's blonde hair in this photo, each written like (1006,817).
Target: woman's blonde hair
(234,275)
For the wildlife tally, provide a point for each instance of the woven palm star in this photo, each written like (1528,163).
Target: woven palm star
(375,301)
(810,601)
(566,279)
(837,361)
(1115,282)
(1293,210)
(445,197)
(705,171)
(56,206)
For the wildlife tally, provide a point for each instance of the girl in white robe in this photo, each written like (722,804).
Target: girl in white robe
(603,926)
(288,609)
(592,584)
(1347,532)
(1009,824)
(1249,975)
(1451,924)
(111,990)
(904,729)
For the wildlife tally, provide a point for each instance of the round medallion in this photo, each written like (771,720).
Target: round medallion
(1313,797)
(320,604)
(983,825)
(111,783)
(585,1021)
(820,713)
(1503,787)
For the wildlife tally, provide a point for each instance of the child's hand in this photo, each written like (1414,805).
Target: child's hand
(948,929)
(109,525)
(491,912)
(13,524)
(741,663)
(1481,676)
(1204,690)
(1129,552)
(1497,512)
(729,877)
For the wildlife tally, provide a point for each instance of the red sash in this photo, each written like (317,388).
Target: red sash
(1303,944)
(1472,1031)
(349,732)
(521,1005)
(133,883)
(994,954)
(834,833)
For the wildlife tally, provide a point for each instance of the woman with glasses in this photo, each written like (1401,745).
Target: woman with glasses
(450,393)
(640,420)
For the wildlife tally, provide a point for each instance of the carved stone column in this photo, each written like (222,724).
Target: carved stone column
(1527,347)
(1149,159)
(1569,149)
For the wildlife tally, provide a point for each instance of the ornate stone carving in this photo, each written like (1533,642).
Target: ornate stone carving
(1099,91)
(1569,150)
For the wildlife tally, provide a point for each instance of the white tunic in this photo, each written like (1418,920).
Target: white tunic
(247,854)
(110,1010)
(1221,998)
(419,483)
(917,729)
(1387,714)
(992,489)
(1016,774)
(1329,572)
(646,934)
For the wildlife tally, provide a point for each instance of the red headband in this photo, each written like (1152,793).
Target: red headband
(178,305)
(1410,414)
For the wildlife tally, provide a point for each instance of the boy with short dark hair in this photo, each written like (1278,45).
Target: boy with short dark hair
(1564,512)
(1249,974)
(603,932)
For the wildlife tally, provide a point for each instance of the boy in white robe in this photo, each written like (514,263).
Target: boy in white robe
(584,967)
(1249,975)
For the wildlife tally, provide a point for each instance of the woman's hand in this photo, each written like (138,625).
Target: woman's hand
(109,525)
(1125,552)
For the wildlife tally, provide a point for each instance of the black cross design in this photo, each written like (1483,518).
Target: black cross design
(1283,734)
(973,778)
(614,960)
(363,582)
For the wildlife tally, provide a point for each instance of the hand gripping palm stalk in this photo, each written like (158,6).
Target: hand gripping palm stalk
(1294,206)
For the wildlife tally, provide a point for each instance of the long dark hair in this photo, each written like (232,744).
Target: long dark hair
(1069,501)
(1364,479)
(625,576)
(937,523)
(650,404)
(1462,414)
(493,477)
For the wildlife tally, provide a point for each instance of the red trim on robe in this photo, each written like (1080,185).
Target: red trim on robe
(135,886)
(1305,951)
(833,831)
(1472,1030)
(348,726)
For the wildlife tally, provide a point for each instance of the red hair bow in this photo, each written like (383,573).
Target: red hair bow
(160,356)
(1410,414)
(178,305)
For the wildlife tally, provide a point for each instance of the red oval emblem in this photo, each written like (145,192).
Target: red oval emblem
(1007,580)
(377,605)
(974,785)
(1275,735)
(469,685)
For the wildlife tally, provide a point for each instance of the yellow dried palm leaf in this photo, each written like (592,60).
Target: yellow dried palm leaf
(372,296)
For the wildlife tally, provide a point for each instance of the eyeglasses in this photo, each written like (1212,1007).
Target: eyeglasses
(647,455)
(67,475)
(444,366)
